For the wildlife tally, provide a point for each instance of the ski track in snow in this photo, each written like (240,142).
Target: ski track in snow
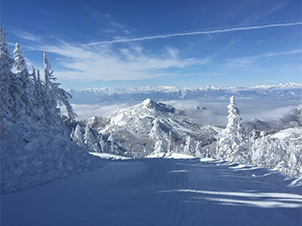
(159,192)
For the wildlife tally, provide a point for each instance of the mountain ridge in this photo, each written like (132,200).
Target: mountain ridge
(287,92)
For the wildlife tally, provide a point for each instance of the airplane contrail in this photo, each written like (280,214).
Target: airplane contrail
(196,33)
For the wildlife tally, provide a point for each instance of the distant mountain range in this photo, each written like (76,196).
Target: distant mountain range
(287,91)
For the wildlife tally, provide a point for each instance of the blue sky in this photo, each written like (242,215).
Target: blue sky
(151,43)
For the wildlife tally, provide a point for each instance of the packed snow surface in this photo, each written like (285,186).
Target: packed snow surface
(160,191)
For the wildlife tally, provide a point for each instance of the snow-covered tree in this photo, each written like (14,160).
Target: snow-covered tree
(198,149)
(111,139)
(6,62)
(158,147)
(155,130)
(20,62)
(77,136)
(234,126)
(188,148)
(259,150)
(170,141)
(89,140)
(161,141)
(25,82)
(8,94)
(232,145)
(282,154)
(53,91)
(102,143)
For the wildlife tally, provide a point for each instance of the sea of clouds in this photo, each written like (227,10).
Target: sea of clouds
(209,112)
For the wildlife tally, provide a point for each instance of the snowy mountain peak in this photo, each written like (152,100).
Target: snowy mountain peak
(152,105)
(287,85)
(280,86)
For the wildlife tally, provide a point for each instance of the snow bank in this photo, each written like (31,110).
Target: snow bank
(39,156)
(170,156)
(108,156)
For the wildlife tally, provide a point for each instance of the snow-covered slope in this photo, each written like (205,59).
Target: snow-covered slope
(161,192)
(288,133)
(288,91)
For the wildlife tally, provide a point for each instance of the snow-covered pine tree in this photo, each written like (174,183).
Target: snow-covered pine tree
(102,143)
(232,145)
(40,90)
(187,148)
(259,150)
(170,141)
(53,91)
(51,86)
(9,98)
(158,146)
(64,97)
(77,136)
(20,62)
(6,62)
(26,87)
(198,150)
(234,126)
(111,139)
(89,140)
(155,130)
(161,140)
(40,97)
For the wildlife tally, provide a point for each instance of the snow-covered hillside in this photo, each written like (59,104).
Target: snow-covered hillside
(167,192)
(146,128)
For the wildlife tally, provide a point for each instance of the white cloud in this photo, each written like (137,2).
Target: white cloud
(250,61)
(109,30)
(272,54)
(85,111)
(276,8)
(215,111)
(173,52)
(102,62)
(240,63)
(28,36)
(107,21)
